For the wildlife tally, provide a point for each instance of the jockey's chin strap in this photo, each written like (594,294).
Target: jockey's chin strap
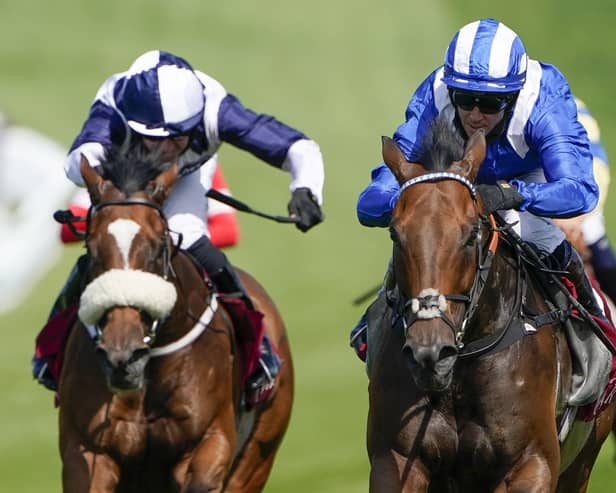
(432,304)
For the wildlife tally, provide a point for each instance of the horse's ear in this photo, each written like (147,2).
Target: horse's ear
(94,182)
(159,188)
(474,154)
(396,162)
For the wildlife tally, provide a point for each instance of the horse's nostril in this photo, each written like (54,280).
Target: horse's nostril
(139,354)
(428,356)
(447,352)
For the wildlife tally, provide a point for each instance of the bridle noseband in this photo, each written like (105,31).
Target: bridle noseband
(430,303)
(95,331)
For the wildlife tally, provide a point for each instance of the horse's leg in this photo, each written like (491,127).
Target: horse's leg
(392,472)
(254,464)
(86,472)
(534,475)
(212,457)
(575,479)
(82,470)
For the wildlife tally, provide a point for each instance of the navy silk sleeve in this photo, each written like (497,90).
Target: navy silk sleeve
(260,134)
(104,126)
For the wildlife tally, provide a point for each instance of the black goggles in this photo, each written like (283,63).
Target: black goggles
(488,104)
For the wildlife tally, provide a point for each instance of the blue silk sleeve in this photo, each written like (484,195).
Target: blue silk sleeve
(378,199)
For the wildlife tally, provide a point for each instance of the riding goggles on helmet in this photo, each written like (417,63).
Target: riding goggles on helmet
(487,103)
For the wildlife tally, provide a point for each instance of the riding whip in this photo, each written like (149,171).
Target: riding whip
(241,206)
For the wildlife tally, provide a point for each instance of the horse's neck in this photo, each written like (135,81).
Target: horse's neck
(500,294)
(193,295)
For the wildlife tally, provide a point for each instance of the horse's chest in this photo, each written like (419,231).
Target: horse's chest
(131,431)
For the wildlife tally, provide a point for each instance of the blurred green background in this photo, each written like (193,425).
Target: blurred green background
(340,71)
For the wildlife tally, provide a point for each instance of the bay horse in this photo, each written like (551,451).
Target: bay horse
(457,403)
(150,392)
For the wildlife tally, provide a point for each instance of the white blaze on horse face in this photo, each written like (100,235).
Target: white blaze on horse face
(124,232)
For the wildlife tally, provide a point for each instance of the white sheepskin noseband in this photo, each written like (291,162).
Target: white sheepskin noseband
(126,287)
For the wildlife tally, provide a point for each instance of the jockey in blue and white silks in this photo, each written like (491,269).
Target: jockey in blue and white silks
(539,146)
(535,142)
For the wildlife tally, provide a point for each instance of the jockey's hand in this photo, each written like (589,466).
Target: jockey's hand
(499,196)
(304,206)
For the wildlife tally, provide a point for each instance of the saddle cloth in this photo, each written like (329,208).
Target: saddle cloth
(590,411)
(50,344)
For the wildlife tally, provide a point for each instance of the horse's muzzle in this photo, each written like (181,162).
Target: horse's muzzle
(431,364)
(123,368)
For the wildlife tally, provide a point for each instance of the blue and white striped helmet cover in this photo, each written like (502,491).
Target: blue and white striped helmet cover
(485,56)
(160,95)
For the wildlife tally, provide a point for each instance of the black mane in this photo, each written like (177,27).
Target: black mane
(130,170)
(441,146)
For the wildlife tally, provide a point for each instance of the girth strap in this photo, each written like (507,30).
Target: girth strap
(549,317)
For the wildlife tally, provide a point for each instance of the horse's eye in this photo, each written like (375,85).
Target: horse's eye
(472,237)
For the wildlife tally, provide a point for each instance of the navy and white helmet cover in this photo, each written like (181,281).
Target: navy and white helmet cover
(161,95)
(543,135)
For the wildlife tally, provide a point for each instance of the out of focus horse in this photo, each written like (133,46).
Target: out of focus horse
(573,229)
(466,386)
(150,390)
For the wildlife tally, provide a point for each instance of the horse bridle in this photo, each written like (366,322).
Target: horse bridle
(433,304)
(168,253)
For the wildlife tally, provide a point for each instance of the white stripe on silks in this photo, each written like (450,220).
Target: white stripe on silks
(147,61)
(523,64)
(464,47)
(214,94)
(126,287)
(124,232)
(442,101)
(501,44)
(524,107)
(179,91)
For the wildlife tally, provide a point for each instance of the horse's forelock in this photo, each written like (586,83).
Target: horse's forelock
(441,146)
(131,169)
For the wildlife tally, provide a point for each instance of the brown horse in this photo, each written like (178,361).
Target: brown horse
(464,392)
(150,393)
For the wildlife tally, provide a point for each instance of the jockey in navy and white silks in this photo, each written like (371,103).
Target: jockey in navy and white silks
(161,96)
(163,105)
(539,146)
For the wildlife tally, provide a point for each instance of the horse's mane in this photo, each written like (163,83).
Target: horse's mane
(131,168)
(440,146)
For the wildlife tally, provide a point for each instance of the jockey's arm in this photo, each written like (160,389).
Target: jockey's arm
(562,147)
(274,142)
(378,199)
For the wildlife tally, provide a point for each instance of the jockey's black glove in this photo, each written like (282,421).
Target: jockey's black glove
(499,196)
(304,206)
